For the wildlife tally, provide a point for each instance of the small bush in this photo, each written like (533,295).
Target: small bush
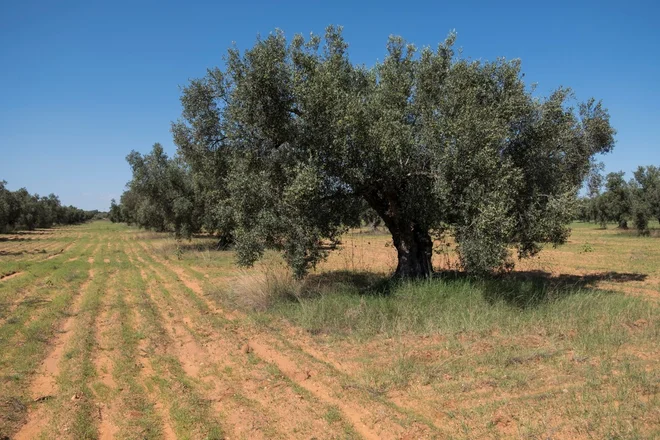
(587,247)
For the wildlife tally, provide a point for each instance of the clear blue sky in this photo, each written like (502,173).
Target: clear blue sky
(84,82)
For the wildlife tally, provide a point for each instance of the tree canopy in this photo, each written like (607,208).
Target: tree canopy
(160,196)
(290,143)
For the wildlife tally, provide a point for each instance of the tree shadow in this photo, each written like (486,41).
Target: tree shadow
(13,239)
(33,232)
(652,233)
(204,246)
(12,253)
(522,289)
(360,282)
(531,288)
(4,253)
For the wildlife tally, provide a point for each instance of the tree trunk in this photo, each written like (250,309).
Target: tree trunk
(412,242)
(415,251)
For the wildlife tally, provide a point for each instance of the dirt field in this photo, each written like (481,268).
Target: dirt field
(111,332)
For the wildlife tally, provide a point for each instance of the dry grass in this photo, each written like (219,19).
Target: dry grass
(261,290)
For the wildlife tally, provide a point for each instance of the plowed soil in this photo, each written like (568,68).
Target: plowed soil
(105,333)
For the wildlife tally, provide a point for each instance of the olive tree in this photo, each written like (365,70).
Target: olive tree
(617,200)
(645,194)
(9,208)
(160,195)
(648,180)
(298,138)
(22,210)
(114,214)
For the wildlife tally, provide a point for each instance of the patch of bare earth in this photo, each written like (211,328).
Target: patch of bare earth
(194,359)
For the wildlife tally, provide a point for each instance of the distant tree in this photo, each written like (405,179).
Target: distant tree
(371,218)
(115,212)
(640,213)
(599,211)
(645,189)
(648,179)
(9,208)
(616,202)
(28,209)
(128,202)
(595,180)
(583,209)
(294,138)
(161,194)
(51,209)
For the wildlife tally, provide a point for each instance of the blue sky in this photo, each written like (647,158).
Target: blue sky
(82,83)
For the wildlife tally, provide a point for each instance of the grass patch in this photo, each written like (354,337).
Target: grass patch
(490,348)
(461,305)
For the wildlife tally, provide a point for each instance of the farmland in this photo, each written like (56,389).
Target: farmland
(108,331)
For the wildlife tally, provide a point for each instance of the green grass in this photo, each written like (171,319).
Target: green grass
(521,339)
(599,318)
(127,369)
(32,305)
(78,370)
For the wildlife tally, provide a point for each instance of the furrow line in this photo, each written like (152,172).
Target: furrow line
(44,385)
(261,396)
(355,413)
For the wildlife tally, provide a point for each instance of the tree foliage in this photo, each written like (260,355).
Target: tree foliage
(431,142)
(617,200)
(160,196)
(645,190)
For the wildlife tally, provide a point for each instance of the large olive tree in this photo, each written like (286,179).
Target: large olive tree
(298,138)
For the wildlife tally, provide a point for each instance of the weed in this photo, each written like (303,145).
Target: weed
(587,247)
(333,415)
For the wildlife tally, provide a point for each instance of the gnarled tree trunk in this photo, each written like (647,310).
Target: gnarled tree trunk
(413,242)
(415,251)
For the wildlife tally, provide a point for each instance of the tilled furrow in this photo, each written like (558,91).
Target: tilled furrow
(369,427)
(253,387)
(44,385)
